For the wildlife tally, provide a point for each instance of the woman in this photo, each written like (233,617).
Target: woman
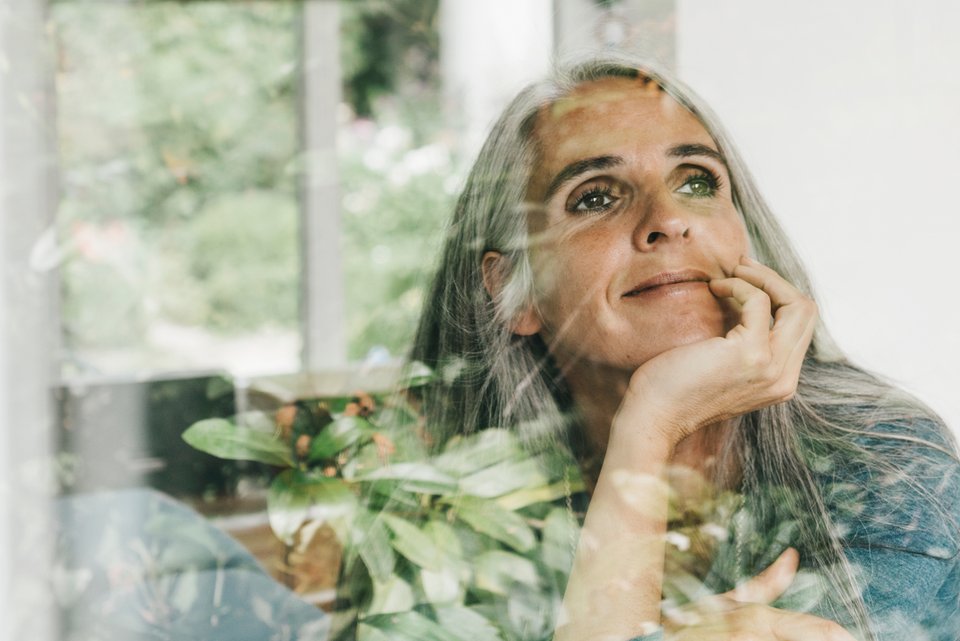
(613,282)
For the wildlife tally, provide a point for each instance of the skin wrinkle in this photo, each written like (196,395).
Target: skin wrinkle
(578,168)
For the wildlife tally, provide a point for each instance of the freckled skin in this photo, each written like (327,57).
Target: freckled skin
(585,262)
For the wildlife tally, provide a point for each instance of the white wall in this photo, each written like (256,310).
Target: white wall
(847,114)
(489,51)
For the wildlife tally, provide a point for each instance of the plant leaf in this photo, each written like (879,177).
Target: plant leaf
(466,455)
(445,537)
(415,374)
(532,613)
(560,536)
(497,571)
(392,595)
(467,624)
(406,626)
(442,586)
(413,543)
(543,494)
(222,438)
(447,584)
(508,476)
(503,525)
(372,541)
(414,477)
(294,497)
(370,633)
(337,436)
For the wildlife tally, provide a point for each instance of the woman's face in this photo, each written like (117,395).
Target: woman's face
(630,215)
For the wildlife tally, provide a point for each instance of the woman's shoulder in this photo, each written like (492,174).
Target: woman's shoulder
(900,492)
(896,510)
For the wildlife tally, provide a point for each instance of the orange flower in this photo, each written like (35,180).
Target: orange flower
(284,419)
(385,446)
(303,445)
(365,401)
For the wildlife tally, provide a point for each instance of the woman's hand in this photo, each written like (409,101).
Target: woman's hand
(743,613)
(755,365)
(616,582)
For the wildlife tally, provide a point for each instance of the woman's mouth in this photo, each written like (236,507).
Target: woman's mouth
(669,281)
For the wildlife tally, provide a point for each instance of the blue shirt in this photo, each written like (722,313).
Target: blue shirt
(900,533)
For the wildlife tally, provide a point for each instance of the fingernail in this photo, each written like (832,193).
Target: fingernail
(746,260)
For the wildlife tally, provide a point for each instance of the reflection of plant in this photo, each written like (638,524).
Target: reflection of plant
(464,544)
(475,541)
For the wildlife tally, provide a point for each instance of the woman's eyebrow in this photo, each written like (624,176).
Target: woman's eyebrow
(577,168)
(696,149)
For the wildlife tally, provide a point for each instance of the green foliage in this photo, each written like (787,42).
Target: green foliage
(219,437)
(177,126)
(430,552)
(474,541)
(388,46)
(184,133)
(395,203)
(235,262)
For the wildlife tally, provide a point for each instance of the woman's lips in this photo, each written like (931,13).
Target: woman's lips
(666,282)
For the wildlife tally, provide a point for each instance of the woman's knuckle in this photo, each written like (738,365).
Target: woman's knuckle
(784,389)
(757,359)
(774,372)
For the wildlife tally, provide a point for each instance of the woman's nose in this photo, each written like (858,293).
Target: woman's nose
(660,221)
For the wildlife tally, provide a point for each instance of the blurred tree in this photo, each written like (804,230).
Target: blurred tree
(388,47)
(180,155)
(177,121)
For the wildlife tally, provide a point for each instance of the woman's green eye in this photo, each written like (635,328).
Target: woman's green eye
(698,186)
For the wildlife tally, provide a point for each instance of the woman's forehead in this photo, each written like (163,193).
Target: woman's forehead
(599,93)
(612,116)
(611,104)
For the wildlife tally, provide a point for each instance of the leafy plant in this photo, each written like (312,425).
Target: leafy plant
(472,542)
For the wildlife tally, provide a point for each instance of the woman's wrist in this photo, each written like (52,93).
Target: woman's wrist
(642,443)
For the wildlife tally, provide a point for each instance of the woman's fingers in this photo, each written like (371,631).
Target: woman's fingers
(795,313)
(770,624)
(767,586)
(754,302)
(794,626)
(780,291)
(759,622)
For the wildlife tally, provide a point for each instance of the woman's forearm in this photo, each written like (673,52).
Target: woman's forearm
(615,585)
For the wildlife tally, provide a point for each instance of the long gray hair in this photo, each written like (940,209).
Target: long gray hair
(487,376)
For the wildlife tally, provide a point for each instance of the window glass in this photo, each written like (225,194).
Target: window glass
(178,212)
(209,484)
(398,163)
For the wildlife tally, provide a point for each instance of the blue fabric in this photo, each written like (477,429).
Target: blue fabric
(900,532)
(135,564)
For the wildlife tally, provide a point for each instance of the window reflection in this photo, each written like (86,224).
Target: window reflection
(180,226)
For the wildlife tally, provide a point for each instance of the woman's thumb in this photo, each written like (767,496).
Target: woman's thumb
(771,583)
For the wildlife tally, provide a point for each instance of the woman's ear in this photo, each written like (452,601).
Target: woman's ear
(495,267)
